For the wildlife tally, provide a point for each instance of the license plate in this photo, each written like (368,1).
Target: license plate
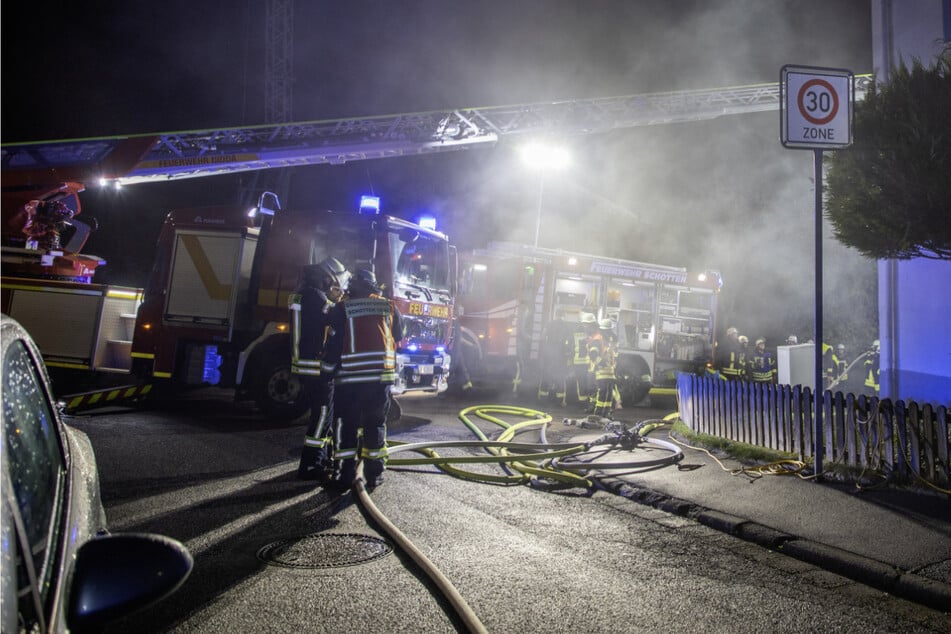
(425,369)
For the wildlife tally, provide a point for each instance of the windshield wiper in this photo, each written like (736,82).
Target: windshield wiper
(417,287)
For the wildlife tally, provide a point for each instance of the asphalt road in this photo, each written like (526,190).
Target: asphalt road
(273,553)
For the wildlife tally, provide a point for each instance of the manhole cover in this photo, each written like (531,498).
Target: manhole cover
(324,550)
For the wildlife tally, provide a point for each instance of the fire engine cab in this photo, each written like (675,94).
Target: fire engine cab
(664,317)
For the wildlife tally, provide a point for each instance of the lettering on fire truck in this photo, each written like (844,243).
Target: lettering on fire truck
(428,310)
(654,275)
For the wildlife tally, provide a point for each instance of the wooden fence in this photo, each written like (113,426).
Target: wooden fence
(899,440)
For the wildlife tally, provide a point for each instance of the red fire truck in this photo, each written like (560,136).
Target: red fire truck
(664,317)
(214,310)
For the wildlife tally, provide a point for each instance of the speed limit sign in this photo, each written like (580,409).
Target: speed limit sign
(816,107)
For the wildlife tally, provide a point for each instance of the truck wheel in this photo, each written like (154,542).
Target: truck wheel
(633,379)
(280,393)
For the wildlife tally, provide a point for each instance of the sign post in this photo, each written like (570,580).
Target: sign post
(815,108)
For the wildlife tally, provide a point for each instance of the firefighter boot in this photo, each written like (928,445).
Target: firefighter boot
(313,464)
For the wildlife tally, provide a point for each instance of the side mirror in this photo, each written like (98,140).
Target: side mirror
(116,575)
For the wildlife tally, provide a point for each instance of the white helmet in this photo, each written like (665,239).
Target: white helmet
(588,318)
(606,324)
(875,345)
(744,339)
(791,340)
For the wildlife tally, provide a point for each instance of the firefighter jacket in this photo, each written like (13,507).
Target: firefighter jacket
(762,367)
(595,347)
(872,371)
(731,360)
(362,345)
(579,342)
(309,310)
(604,367)
(830,363)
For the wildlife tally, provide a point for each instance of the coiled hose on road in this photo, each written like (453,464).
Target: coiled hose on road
(565,463)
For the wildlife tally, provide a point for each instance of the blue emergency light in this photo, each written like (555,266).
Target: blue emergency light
(427,222)
(369,204)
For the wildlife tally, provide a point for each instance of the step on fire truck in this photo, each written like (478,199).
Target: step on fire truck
(664,317)
(215,309)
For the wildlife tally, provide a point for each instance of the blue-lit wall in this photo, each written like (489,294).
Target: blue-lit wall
(914,295)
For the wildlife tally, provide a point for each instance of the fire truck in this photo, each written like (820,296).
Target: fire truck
(214,310)
(215,307)
(219,279)
(664,317)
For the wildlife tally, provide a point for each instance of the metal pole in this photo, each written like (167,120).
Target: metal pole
(538,215)
(818,436)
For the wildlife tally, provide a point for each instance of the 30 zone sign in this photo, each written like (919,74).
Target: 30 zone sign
(816,107)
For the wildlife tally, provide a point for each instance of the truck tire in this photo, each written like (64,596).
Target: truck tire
(633,379)
(280,395)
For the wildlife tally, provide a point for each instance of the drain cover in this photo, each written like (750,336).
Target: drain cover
(324,550)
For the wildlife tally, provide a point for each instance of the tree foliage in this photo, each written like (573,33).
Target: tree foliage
(889,194)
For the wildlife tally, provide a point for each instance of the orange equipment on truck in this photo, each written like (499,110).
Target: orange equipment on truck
(215,310)
(664,317)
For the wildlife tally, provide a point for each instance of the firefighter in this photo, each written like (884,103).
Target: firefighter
(555,359)
(605,377)
(842,372)
(830,365)
(594,344)
(361,352)
(762,364)
(580,361)
(743,358)
(872,367)
(728,356)
(309,309)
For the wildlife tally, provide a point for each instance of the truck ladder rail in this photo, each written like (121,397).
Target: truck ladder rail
(191,154)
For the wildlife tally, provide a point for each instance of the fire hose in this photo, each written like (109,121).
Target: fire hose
(566,463)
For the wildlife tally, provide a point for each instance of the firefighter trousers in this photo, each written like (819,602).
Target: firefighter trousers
(361,429)
(319,393)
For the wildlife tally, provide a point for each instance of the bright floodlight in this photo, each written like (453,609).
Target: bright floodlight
(544,155)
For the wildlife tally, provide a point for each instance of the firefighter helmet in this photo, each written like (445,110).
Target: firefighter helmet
(364,284)
(606,324)
(875,346)
(743,339)
(325,274)
(732,331)
(791,340)
(588,318)
(761,340)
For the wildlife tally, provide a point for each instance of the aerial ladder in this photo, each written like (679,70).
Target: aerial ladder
(126,160)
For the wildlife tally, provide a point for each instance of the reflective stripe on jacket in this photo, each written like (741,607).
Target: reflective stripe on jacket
(368,330)
(309,311)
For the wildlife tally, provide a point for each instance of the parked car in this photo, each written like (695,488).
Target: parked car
(61,569)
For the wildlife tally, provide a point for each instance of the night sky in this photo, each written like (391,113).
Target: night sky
(723,194)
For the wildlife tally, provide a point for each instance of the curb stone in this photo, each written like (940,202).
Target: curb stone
(881,576)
